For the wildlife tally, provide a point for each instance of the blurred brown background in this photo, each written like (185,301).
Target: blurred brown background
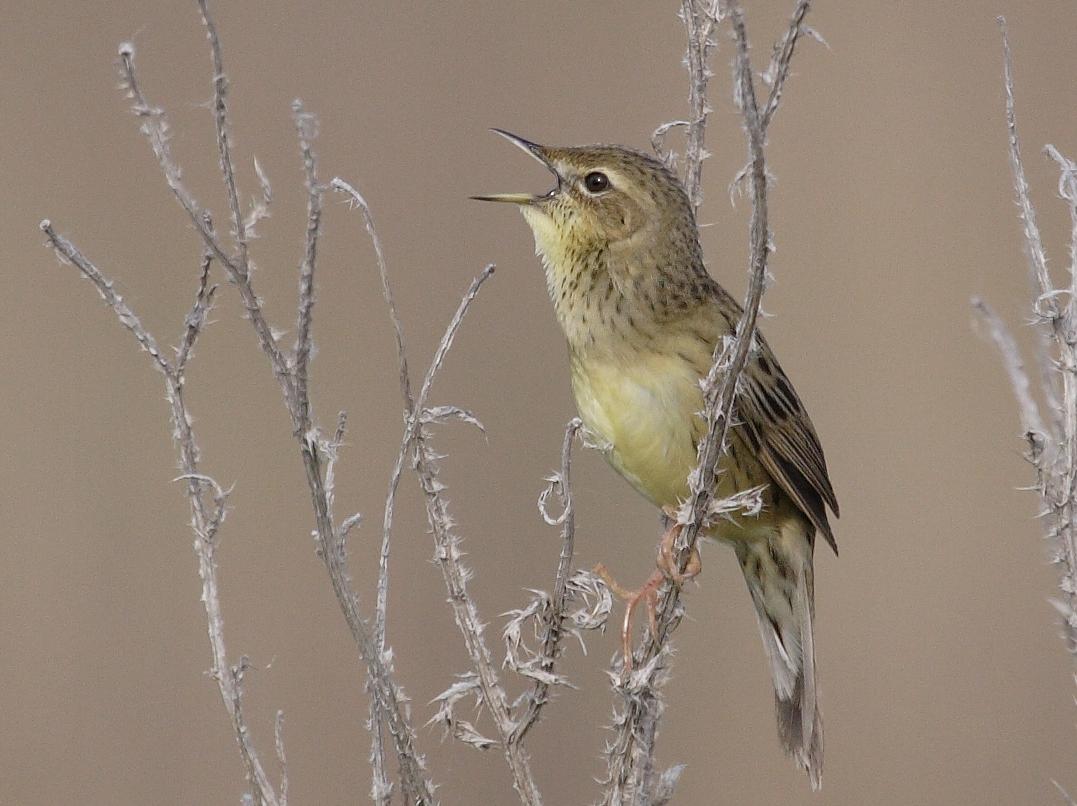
(943,679)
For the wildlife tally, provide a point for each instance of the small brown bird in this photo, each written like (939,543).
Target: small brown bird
(625,271)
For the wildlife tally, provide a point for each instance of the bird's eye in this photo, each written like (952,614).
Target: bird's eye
(596,182)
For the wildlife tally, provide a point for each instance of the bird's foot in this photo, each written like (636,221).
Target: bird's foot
(668,569)
(647,593)
(667,560)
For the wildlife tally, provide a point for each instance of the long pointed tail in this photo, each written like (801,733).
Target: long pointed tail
(780,579)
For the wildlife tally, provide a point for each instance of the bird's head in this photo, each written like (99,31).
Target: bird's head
(607,199)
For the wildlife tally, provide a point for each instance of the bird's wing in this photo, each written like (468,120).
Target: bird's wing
(784,439)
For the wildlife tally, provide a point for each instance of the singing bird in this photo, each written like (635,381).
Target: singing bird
(624,269)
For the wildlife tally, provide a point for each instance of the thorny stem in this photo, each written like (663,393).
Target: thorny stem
(1052,442)
(425,462)
(416,785)
(1045,306)
(448,558)
(357,200)
(631,752)
(224,143)
(552,630)
(204,522)
(699,23)
(155,127)
(305,125)
(1033,242)
(382,603)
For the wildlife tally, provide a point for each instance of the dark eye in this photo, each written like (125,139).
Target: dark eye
(596,182)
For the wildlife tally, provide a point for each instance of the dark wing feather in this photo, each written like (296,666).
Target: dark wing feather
(784,438)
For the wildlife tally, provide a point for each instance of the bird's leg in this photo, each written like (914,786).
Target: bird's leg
(667,561)
(647,593)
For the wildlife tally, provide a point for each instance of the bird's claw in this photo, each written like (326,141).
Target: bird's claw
(667,560)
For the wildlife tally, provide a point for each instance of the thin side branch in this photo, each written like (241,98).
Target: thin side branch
(67,253)
(306,129)
(700,18)
(554,616)
(778,71)
(1047,305)
(449,558)
(1031,422)
(196,318)
(224,141)
(381,790)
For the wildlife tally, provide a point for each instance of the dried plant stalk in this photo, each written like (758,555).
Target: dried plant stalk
(1050,433)
(318,454)
(206,520)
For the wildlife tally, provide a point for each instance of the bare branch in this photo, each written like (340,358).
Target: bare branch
(720,385)
(390,700)
(196,318)
(1052,444)
(263,790)
(306,128)
(157,131)
(357,200)
(778,71)
(1047,305)
(699,23)
(448,556)
(67,253)
(554,615)
(204,522)
(450,335)
(381,788)
(1031,421)
(1067,190)
(155,128)
(224,143)
(282,760)
(417,787)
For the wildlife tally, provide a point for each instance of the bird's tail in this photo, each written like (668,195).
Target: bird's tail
(779,574)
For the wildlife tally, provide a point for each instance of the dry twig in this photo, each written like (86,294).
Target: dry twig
(1051,440)
(448,557)
(206,520)
(554,609)
(700,22)
(483,680)
(317,453)
(381,789)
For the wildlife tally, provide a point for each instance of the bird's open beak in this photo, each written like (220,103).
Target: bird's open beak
(536,151)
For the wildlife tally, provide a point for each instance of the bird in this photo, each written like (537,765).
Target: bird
(618,239)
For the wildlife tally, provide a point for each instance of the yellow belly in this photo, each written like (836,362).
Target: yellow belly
(646,412)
